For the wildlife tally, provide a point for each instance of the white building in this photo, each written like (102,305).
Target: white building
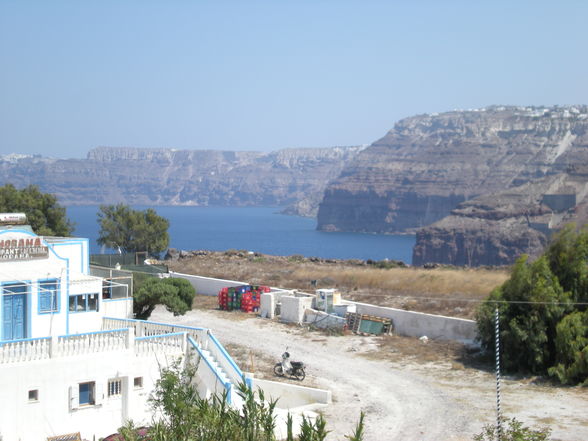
(71,357)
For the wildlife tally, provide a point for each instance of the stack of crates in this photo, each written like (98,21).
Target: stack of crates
(223,299)
(245,298)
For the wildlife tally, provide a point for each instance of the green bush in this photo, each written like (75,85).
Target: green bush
(571,344)
(514,432)
(184,416)
(543,324)
(176,294)
(527,332)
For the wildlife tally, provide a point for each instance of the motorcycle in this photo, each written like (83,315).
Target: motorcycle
(293,368)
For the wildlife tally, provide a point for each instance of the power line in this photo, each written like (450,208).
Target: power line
(470,300)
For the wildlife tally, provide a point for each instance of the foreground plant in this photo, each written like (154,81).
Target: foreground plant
(515,432)
(184,416)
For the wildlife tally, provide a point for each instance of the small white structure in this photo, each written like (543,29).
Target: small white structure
(326,299)
(71,357)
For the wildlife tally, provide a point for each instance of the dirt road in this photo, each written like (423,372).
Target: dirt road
(402,400)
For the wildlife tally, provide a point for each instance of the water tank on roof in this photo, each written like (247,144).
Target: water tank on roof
(13,219)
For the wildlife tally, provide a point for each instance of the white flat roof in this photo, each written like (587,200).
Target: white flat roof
(83,278)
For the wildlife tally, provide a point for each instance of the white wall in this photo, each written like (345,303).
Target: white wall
(206,286)
(76,251)
(117,308)
(292,308)
(417,324)
(86,321)
(33,421)
(291,395)
(267,305)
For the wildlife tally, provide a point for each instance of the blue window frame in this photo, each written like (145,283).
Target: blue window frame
(86,393)
(15,320)
(48,296)
(83,302)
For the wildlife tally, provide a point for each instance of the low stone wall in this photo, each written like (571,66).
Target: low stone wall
(291,395)
(206,286)
(417,324)
(408,323)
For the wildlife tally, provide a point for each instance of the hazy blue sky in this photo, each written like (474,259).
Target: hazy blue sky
(255,75)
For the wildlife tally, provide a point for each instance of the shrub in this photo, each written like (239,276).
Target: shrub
(514,432)
(543,317)
(176,294)
(528,328)
(571,344)
(184,416)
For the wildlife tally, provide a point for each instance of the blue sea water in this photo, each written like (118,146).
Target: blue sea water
(259,229)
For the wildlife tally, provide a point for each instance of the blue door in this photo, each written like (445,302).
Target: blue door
(14,314)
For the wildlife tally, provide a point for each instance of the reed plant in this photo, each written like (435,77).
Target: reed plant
(182,415)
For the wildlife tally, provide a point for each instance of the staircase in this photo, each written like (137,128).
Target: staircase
(212,362)
(201,343)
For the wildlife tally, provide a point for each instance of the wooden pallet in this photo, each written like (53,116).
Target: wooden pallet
(354,322)
(68,437)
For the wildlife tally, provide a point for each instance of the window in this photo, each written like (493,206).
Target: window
(138,382)
(49,295)
(83,302)
(114,387)
(92,302)
(87,393)
(106,290)
(34,395)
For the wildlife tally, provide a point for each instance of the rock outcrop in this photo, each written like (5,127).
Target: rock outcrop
(495,229)
(183,177)
(488,170)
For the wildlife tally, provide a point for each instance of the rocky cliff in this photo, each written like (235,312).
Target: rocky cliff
(183,177)
(487,169)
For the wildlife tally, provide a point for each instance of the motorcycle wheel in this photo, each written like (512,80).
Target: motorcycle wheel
(299,374)
(278,370)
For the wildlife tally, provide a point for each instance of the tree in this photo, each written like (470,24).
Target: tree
(543,315)
(568,257)
(530,303)
(176,294)
(571,344)
(132,230)
(45,216)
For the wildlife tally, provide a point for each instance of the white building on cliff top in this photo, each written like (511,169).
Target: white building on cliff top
(71,358)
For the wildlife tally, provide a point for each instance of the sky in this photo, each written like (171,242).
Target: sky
(265,75)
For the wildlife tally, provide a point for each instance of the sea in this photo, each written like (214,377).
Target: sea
(257,229)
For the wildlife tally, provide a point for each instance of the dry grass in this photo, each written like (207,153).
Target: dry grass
(402,349)
(448,291)
(477,282)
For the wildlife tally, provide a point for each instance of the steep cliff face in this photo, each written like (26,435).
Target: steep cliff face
(495,229)
(428,164)
(182,177)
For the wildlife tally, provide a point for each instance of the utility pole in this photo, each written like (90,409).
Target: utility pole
(497,350)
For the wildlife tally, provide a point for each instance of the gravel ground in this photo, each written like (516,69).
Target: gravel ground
(403,399)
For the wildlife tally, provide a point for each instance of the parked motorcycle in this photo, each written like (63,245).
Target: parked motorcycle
(293,368)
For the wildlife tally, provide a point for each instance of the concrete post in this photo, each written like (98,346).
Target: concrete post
(53,347)
(127,398)
(130,342)
(267,305)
